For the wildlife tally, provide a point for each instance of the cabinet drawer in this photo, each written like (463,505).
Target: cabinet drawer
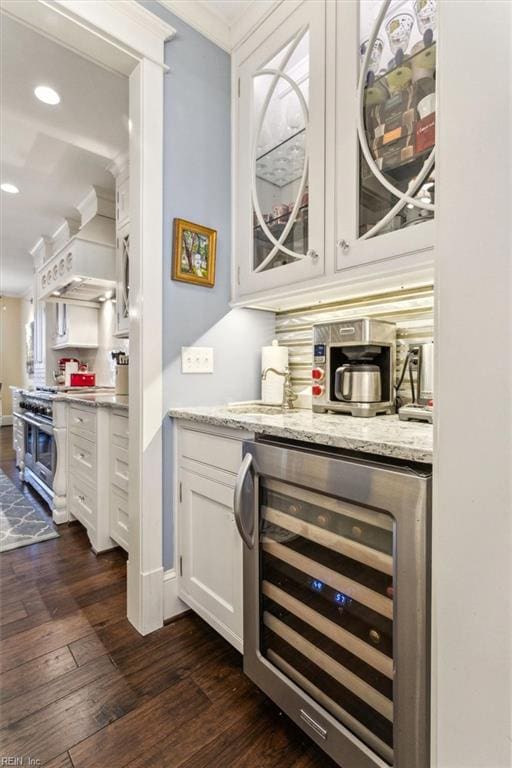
(119,467)
(119,518)
(82,501)
(82,421)
(215,450)
(119,430)
(82,457)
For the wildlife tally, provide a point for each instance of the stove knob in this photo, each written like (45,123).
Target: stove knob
(317,390)
(318,374)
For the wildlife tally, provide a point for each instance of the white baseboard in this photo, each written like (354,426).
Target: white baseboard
(6,421)
(173,606)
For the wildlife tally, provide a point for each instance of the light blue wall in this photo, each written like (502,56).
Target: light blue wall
(197,187)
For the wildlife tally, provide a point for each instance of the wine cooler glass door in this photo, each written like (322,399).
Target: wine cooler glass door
(327,605)
(335,600)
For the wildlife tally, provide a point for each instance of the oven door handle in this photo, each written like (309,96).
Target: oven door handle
(47,428)
(238,506)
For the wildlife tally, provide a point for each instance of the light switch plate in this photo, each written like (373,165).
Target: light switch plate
(197,359)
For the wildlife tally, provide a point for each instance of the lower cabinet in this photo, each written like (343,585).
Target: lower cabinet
(209,546)
(97,482)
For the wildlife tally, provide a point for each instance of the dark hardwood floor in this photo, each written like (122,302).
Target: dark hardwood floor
(79,687)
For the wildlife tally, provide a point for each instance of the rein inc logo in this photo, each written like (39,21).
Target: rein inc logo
(17,760)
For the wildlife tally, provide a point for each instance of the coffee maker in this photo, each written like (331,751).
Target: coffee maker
(354,367)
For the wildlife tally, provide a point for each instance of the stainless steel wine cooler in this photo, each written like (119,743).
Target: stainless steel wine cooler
(336,595)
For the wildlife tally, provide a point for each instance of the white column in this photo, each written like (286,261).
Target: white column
(145,571)
(472,542)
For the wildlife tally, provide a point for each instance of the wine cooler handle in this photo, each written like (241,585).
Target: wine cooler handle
(247,537)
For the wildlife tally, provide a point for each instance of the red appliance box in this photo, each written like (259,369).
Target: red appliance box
(425,133)
(82,380)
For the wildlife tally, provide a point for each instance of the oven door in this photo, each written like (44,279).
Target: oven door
(335,599)
(40,451)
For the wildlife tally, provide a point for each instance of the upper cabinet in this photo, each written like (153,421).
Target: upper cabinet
(122,252)
(281,148)
(385,129)
(335,116)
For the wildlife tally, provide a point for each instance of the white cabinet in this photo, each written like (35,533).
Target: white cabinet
(334,151)
(209,546)
(280,154)
(123,281)
(75,325)
(97,478)
(386,107)
(123,200)
(119,479)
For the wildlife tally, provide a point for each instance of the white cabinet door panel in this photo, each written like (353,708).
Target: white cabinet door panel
(210,554)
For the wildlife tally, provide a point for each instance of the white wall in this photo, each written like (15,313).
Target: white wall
(472,524)
(11,372)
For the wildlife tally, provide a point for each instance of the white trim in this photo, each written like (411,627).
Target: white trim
(7,420)
(209,22)
(173,606)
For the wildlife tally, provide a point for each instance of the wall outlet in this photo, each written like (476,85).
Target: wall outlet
(197,359)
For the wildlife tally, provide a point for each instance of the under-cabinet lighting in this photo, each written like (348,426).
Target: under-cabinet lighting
(102,299)
(109,294)
(56,293)
(47,95)
(10,188)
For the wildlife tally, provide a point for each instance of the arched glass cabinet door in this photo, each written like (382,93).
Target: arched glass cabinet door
(395,116)
(282,88)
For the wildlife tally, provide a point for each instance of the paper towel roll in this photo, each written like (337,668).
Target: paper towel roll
(272,386)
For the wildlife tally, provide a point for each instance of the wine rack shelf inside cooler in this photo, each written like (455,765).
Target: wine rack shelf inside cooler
(327,605)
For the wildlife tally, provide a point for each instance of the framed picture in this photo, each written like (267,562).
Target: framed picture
(194,253)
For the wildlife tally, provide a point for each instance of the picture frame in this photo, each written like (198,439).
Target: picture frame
(194,253)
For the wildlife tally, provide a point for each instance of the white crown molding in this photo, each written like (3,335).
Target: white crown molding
(98,200)
(119,165)
(208,22)
(202,20)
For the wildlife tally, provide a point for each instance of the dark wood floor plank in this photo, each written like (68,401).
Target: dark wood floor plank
(56,728)
(130,737)
(62,761)
(23,679)
(12,612)
(47,637)
(23,705)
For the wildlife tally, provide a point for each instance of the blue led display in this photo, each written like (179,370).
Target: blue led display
(342,599)
(317,585)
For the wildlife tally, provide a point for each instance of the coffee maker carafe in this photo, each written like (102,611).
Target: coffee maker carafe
(354,367)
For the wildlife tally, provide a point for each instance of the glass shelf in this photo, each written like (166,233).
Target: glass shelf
(267,167)
(426,57)
(281,144)
(279,219)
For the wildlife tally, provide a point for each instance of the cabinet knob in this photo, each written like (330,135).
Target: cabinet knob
(344,245)
(312,254)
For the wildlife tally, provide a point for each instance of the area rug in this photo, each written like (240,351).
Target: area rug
(20,523)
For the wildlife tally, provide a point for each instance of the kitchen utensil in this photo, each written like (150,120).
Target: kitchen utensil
(358,383)
(425,12)
(427,105)
(398,30)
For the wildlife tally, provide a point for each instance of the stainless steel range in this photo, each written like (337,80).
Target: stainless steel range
(40,460)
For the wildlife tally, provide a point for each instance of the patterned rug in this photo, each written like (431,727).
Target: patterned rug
(20,523)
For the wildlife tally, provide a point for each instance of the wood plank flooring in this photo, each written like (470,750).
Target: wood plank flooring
(80,688)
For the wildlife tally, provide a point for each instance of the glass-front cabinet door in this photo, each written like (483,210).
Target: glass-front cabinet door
(123,281)
(281,121)
(385,128)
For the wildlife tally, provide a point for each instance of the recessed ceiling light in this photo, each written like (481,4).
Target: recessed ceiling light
(47,95)
(10,188)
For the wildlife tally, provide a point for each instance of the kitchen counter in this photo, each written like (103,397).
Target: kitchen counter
(380,435)
(96,400)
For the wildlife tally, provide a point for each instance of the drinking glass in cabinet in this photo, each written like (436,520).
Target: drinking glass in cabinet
(280,156)
(397,114)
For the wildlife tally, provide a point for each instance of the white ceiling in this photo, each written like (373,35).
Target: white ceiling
(52,154)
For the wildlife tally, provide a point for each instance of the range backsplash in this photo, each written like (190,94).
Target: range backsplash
(411,310)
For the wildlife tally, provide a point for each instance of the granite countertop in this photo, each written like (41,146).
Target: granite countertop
(96,400)
(380,435)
